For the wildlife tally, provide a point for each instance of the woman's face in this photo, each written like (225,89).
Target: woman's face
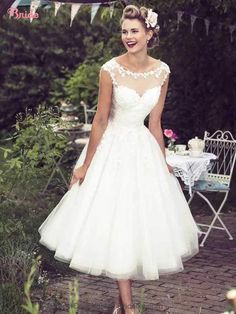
(134,36)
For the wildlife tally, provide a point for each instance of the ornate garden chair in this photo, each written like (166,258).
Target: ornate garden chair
(218,178)
(88,116)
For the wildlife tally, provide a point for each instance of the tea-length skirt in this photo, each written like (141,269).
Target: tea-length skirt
(129,218)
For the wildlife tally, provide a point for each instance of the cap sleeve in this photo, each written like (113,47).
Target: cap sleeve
(166,72)
(110,68)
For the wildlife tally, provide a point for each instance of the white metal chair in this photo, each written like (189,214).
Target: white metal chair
(88,115)
(74,142)
(218,178)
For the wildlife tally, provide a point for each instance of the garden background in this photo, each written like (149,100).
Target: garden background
(46,61)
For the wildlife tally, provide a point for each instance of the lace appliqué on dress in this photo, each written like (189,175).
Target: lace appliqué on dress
(156,72)
(109,67)
(122,76)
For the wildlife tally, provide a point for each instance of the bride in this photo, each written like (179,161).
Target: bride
(125,215)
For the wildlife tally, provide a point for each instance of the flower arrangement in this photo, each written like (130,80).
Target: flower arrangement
(172,137)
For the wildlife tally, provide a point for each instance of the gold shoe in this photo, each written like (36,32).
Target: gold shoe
(132,306)
(118,309)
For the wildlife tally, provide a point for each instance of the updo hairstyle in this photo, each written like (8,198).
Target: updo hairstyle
(133,12)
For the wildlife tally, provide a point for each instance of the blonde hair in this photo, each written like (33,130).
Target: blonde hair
(133,12)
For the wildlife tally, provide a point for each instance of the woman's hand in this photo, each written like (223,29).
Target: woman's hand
(78,175)
(170,168)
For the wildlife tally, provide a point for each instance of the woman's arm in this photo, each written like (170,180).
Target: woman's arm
(98,126)
(102,114)
(155,117)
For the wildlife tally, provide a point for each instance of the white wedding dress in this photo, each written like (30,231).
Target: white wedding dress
(129,217)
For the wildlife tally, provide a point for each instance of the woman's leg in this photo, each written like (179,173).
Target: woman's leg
(125,289)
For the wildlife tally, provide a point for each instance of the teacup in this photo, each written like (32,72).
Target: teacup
(169,152)
(180,148)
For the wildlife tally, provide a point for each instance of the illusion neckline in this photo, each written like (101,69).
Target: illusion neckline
(135,92)
(157,67)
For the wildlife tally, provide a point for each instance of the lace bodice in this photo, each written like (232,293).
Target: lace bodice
(134,93)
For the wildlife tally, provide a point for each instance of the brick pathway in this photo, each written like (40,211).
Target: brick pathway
(200,288)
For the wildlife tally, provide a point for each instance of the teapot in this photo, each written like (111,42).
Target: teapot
(196,146)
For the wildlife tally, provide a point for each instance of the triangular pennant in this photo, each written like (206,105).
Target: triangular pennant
(57,7)
(74,9)
(112,5)
(94,9)
(15,4)
(13,9)
(193,19)
(33,8)
(232,29)
(179,18)
(207,24)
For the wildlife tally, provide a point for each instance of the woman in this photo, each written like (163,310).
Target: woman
(125,215)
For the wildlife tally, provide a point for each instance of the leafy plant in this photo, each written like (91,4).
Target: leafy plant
(33,308)
(29,306)
(35,146)
(36,140)
(83,84)
(9,227)
(15,260)
(73,297)
(141,304)
(10,298)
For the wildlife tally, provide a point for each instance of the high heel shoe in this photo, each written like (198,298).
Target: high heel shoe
(118,309)
(132,306)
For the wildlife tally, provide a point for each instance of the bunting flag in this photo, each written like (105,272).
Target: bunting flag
(112,7)
(207,24)
(94,9)
(57,7)
(33,8)
(179,18)
(15,4)
(74,9)
(231,30)
(193,19)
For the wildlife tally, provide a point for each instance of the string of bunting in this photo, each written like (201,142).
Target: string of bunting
(194,17)
(77,4)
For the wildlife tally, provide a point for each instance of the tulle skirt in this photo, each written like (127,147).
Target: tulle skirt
(129,218)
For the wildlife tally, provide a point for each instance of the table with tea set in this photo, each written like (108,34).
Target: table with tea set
(192,164)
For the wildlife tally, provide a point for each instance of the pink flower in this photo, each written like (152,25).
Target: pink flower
(168,133)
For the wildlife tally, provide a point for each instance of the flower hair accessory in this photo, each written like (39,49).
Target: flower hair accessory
(151,19)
